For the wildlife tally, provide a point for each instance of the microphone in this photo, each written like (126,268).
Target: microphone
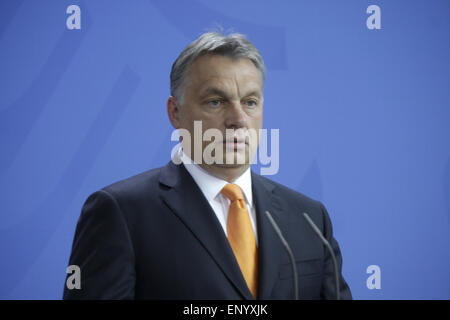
(288,249)
(327,244)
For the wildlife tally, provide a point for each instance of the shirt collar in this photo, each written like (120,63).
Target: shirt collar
(211,185)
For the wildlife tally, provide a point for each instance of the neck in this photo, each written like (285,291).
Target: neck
(227,173)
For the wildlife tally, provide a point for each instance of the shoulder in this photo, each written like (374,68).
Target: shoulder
(135,187)
(291,198)
(294,204)
(284,191)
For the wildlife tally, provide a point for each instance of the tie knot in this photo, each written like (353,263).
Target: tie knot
(233,192)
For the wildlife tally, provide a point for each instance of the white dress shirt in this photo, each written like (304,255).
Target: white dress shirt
(211,187)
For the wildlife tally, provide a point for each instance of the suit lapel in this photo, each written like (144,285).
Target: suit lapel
(270,247)
(186,200)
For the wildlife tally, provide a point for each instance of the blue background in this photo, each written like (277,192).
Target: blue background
(363,118)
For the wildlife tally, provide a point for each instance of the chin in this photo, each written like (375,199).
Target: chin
(231,166)
(241,155)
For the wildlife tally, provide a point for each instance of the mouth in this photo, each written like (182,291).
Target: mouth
(235,144)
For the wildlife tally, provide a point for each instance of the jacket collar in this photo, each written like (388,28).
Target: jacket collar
(182,195)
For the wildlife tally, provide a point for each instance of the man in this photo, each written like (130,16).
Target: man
(198,230)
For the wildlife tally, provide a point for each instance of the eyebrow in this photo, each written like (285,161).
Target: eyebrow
(214,90)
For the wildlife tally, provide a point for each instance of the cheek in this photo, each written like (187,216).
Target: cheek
(210,120)
(192,113)
(187,117)
(188,121)
(256,121)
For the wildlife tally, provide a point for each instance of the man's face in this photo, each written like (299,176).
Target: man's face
(224,94)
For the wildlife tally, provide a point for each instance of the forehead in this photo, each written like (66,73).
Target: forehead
(222,71)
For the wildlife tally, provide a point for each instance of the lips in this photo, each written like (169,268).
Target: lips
(236,141)
(235,144)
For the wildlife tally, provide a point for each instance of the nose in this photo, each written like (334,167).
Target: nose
(235,116)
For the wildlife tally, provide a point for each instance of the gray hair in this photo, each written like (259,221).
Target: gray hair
(234,46)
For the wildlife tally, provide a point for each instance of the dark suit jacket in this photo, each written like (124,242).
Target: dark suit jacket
(155,236)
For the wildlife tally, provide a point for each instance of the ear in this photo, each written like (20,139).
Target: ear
(173,112)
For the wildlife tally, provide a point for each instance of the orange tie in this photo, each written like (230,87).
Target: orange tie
(241,236)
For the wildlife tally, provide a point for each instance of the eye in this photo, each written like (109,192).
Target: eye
(214,103)
(251,103)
